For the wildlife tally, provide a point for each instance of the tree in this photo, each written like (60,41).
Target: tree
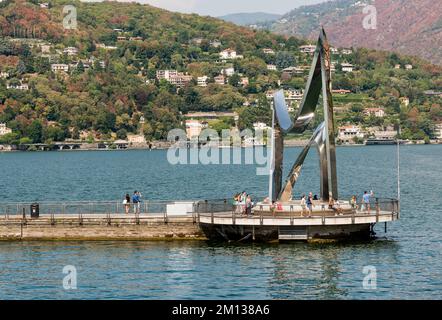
(284,59)
(122,134)
(235,80)
(35,131)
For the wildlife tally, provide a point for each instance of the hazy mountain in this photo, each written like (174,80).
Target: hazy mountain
(245,19)
(406,26)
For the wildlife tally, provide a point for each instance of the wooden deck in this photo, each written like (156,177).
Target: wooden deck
(316,219)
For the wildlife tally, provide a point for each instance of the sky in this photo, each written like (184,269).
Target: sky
(222,7)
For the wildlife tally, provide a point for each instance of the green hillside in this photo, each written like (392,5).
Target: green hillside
(112,81)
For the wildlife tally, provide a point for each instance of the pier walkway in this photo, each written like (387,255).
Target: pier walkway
(157,220)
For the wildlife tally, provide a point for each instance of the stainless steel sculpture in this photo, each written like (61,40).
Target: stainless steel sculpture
(319,81)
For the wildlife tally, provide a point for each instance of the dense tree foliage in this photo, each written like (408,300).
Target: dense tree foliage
(107,90)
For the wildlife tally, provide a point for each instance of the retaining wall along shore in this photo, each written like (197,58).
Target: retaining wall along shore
(100,228)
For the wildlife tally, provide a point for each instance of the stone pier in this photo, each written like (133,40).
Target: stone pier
(100,227)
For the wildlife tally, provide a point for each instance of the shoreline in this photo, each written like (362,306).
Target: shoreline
(289,144)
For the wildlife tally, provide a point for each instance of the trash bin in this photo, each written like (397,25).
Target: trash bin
(35,210)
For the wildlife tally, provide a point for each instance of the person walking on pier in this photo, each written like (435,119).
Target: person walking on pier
(126,203)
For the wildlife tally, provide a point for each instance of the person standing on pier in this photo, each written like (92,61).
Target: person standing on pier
(303,205)
(126,203)
(309,202)
(136,201)
(249,205)
(354,202)
(366,200)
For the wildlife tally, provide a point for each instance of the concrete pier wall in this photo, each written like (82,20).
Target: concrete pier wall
(100,229)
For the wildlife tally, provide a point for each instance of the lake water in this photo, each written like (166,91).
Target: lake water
(407,258)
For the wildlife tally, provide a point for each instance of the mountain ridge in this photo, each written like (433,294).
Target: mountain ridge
(249,18)
(412,27)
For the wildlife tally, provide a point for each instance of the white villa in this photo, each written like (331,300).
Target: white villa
(294,95)
(348,133)
(21,86)
(4,129)
(260,126)
(346,51)
(136,138)
(308,49)
(194,128)
(180,79)
(71,51)
(174,77)
(228,71)
(272,67)
(59,67)
(377,112)
(347,67)
(438,131)
(202,81)
(293,70)
(228,54)
(166,74)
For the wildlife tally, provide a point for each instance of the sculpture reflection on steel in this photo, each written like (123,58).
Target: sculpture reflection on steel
(319,81)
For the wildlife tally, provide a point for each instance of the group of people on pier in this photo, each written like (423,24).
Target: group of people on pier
(308,202)
(135,200)
(243,203)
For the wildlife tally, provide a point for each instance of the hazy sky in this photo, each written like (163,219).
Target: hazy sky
(222,7)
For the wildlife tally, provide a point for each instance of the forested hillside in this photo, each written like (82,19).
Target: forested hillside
(97,81)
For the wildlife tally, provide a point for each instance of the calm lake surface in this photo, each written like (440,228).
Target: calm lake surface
(407,258)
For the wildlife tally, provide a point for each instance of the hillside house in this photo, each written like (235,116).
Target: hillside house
(194,128)
(228,54)
(4,129)
(59,67)
(310,49)
(377,112)
(220,80)
(71,51)
(347,67)
(202,81)
(20,86)
(228,72)
(346,51)
(348,133)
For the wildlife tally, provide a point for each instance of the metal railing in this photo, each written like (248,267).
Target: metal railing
(87,207)
(377,205)
(153,207)
(195,208)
